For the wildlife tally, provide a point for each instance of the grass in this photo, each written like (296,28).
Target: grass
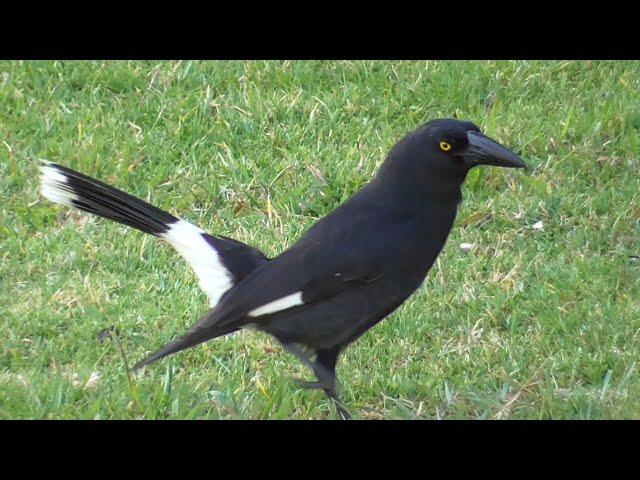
(530,323)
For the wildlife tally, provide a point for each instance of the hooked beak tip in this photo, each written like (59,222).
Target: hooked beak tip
(484,151)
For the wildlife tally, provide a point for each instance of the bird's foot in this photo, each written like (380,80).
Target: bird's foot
(342,412)
(329,390)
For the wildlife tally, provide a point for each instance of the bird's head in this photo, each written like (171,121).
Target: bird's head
(462,146)
(444,150)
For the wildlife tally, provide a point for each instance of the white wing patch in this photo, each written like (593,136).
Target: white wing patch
(52,186)
(214,279)
(278,305)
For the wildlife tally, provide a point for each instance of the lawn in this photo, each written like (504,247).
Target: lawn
(540,318)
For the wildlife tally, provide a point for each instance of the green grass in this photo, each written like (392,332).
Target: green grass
(531,323)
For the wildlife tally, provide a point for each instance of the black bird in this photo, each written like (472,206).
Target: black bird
(349,271)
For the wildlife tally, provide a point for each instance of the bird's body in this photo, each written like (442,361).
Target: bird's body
(347,278)
(349,271)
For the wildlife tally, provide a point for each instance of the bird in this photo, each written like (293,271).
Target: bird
(346,273)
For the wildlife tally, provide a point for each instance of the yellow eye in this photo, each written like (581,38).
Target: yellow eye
(445,147)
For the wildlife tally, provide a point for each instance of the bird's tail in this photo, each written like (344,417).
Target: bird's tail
(190,339)
(219,262)
(68,187)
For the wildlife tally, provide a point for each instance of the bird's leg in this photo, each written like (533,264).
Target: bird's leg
(342,411)
(300,354)
(326,363)
(325,376)
(324,369)
(305,358)
(324,380)
(327,360)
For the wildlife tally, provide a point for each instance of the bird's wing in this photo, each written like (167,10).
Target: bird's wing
(332,258)
(218,262)
(343,251)
(339,253)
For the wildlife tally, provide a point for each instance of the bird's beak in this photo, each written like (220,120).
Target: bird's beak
(484,151)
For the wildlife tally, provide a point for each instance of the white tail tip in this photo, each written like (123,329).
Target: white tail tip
(53,185)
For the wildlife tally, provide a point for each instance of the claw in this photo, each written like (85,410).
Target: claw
(342,412)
